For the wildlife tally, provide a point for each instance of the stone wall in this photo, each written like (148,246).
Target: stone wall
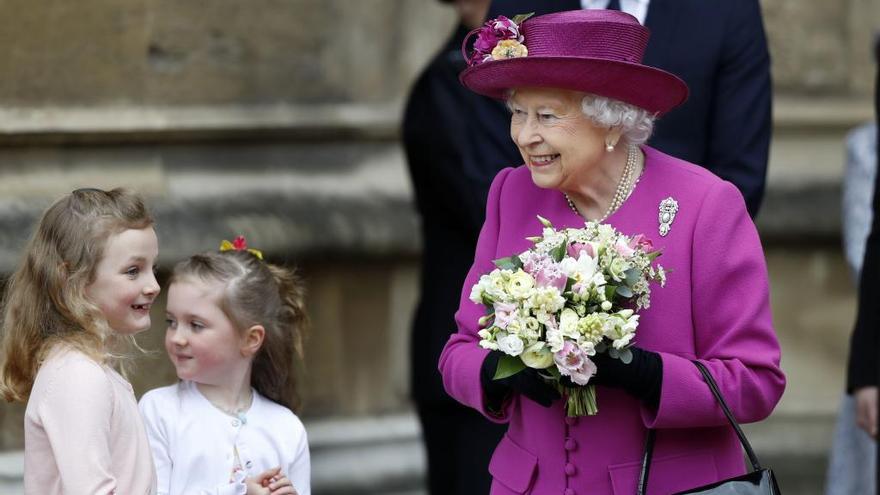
(278,119)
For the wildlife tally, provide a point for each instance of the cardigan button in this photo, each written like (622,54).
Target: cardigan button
(571,421)
(570,469)
(570,444)
(569,491)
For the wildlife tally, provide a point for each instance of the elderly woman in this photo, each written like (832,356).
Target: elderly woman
(582,106)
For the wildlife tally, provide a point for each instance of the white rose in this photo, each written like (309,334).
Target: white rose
(510,345)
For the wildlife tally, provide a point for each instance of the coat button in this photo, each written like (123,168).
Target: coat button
(570,444)
(569,491)
(570,469)
(234,422)
(571,421)
(249,464)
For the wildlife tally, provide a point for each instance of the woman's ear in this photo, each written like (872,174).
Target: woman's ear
(252,340)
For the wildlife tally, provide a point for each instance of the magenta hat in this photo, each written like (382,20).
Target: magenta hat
(593,51)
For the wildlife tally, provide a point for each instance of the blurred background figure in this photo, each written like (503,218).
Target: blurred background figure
(455,142)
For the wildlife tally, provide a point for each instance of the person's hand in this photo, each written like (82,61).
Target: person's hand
(866,409)
(270,482)
(642,377)
(527,382)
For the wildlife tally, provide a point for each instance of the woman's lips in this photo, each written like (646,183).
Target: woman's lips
(542,160)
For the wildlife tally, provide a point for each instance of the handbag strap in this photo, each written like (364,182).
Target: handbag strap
(649,440)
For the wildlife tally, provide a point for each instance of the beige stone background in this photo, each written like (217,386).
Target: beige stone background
(278,119)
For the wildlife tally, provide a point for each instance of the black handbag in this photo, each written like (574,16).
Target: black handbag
(759,482)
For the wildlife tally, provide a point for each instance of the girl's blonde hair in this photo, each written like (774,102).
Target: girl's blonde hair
(45,301)
(259,293)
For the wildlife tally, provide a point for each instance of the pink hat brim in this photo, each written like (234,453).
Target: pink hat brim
(652,89)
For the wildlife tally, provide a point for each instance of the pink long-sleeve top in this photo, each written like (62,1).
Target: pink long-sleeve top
(715,308)
(83,433)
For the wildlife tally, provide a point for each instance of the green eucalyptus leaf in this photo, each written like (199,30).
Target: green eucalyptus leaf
(624,291)
(508,366)
(510,263)
(626,356)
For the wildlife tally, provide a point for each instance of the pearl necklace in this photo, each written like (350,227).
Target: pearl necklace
(623,190)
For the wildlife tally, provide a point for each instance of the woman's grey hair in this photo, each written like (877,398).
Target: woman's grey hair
(636,124)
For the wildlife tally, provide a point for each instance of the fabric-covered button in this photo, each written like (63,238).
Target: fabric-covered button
(570,469)
(571,421)
(249,464)
(234,422)
(570,444)
(569,491)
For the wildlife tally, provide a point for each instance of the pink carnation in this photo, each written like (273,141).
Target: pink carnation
(643,242)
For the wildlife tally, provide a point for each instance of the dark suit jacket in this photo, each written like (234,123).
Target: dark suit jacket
(864,349)
(456,141)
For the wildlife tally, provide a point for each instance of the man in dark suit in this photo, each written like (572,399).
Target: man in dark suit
(456,141)
(862,376)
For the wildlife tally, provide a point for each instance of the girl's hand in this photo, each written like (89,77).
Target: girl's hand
(281,485)
(270,482)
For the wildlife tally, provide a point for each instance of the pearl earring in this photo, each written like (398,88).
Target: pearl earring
(609,147)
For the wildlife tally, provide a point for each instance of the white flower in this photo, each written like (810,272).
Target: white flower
(520,284)
(554,339)
(545,300)
(537,356)
(510,345)
(568,322)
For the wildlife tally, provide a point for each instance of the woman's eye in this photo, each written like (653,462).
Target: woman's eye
(196,326)
(546,116)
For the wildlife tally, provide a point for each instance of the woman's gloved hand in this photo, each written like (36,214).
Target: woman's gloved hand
(527,382)
(642,377)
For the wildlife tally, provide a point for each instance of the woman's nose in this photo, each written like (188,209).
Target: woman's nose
(527,133)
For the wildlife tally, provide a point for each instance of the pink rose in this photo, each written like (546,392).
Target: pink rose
(643,242)
(574,363)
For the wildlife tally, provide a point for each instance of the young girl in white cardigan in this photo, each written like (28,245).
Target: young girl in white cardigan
(83,288)
(235,325)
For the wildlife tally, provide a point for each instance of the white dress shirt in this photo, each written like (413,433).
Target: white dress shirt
(636,8)
(198,449)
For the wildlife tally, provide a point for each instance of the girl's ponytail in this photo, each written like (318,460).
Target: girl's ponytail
(280,362)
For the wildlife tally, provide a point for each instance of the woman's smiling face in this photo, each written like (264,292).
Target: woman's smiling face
(558,143)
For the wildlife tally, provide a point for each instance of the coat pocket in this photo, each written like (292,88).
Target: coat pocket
(669,474)
(513,466)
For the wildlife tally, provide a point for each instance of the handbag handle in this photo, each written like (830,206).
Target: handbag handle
(649,441)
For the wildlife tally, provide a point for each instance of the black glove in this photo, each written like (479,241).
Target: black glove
(527,382)
(642,377)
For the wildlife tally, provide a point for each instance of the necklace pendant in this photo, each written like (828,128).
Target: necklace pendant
(668,209)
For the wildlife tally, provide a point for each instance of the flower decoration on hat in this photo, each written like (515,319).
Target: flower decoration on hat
(498,39)
(239,244)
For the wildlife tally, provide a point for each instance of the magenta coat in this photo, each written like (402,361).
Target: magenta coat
(715,308)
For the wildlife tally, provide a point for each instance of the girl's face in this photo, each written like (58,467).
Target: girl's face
(202,342)
(125,283)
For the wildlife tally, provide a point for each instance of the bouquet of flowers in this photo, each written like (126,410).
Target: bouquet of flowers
(574,294)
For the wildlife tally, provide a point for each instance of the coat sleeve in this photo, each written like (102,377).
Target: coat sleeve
(462,356)
(740,122)
(732,324)
(76,415)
